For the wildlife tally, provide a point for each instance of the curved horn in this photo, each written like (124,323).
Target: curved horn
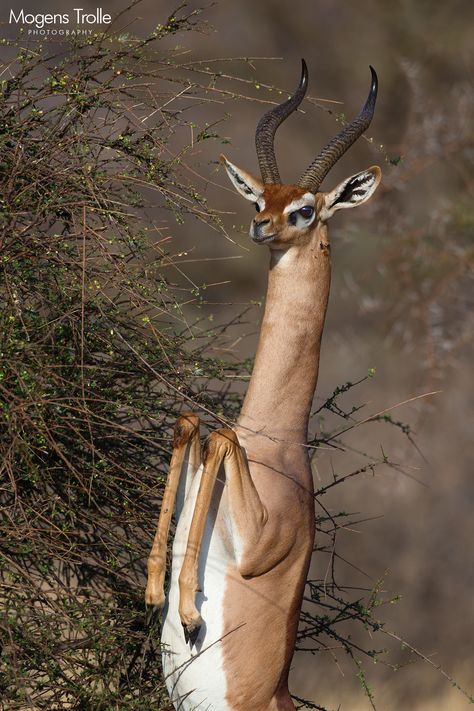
(268,125)
(315,174)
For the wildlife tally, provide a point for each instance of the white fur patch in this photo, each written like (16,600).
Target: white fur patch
(194,674)
(281,258)
(307,199)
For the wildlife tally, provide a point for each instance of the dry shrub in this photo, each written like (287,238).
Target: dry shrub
(97,359)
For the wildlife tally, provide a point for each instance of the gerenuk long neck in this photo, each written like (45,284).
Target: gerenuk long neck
(283,381)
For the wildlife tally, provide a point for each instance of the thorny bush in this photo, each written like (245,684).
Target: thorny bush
(98,357)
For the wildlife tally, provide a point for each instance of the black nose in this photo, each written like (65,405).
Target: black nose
(260,223)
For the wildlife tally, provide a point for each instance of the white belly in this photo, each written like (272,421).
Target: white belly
(194,673)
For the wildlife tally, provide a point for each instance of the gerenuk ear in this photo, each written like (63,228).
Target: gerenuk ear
(247,185)
(351,192)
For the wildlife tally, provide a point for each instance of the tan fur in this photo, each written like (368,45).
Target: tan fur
(286,364)
(186,434)
(272,428)
(268,509)
(276,198)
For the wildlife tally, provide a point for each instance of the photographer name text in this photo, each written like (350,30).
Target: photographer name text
(53,23)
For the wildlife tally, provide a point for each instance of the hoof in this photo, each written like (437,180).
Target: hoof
(152,614)
(191,631)
(154,602)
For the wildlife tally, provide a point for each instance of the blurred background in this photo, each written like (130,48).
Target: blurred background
(401,301)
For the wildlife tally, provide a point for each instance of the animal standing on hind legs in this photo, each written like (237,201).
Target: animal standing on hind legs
(245,506)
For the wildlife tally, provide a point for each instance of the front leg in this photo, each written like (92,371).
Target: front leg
(186,438)
(257,546)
